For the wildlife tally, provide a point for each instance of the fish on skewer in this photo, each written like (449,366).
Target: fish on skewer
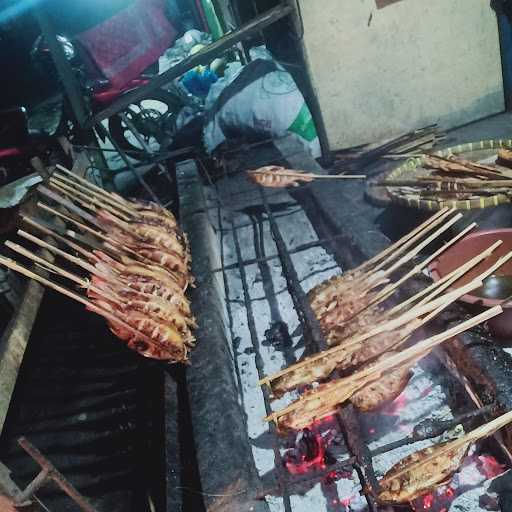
(379,393)
(349,356)
(148,234)
(405,482)
(360,324)
(138,262)
(320,401)
(426,469)
(274,176)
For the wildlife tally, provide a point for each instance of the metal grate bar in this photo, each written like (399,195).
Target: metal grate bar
(295,250)
(346,415)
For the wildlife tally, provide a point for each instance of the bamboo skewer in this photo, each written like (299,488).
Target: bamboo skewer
(11,264)
(47,264)
(485,430)
(395,246)
(94,203)
(96,200)
(389,290)
(378,368)
(439,286)
(51,267)
(407,257)
(434,222)
(105,198)
(302,174)
(72,207)
(386,327)
(98,234)
(47,231)
(73,259)
(117,249)
(120,200)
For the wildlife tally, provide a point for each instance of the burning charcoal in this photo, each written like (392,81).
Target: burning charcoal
(308,453)
(430,428)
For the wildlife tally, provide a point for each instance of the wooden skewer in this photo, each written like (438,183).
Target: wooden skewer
(13,265)
(389,290)
(439,286)
(407,257)
(98,189)
(421,347)
(302,174)
(47,231)
(84,283)
(46,264)
(72,207)
(74,199)
(78,224)
(105,198)
(115,247)
(497,265)
(95,202)
(386,327)
(55,250)
(393,247)
(109,243)
(479,433)
(393,256)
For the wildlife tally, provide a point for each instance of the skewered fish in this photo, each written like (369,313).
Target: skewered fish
(324,400)
(274,176)
(378,393)
(424,470)
(360,324)
(148,234)
(412,478)
(347,356)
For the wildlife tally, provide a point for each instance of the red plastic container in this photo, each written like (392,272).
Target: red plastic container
(467,248)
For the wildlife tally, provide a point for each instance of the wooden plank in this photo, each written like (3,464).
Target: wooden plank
(203,57)
(14,342)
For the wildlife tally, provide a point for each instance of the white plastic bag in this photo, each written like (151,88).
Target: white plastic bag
(261,99)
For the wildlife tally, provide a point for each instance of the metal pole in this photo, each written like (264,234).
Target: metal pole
(104,133)
(49,472)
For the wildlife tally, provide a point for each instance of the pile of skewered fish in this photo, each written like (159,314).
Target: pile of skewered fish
(135,259)
(273,176)
(366,339)
(457,178)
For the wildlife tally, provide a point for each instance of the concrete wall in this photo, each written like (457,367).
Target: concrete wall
(379,72)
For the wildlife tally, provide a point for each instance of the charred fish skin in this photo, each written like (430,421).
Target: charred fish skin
(421,478)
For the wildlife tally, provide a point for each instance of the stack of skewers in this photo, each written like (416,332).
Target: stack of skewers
(372,349)
(133,263)
(416,141)
(455,178)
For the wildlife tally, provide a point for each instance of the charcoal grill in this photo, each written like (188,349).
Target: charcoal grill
(308,472)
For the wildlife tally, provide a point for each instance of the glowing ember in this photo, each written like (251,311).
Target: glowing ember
(428,501)
(308,454)
(450,493)
(489,466)
(345,501)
